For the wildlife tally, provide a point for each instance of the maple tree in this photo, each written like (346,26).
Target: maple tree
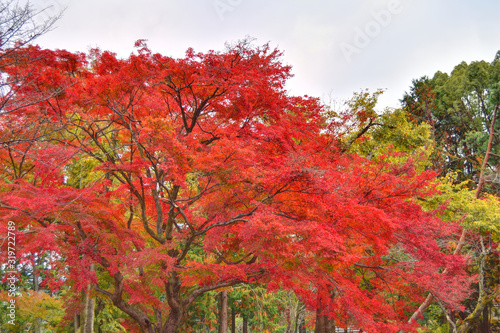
(161,179)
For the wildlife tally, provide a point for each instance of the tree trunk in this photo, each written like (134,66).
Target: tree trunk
(296,323)
(245,325)
(76,323)
(324,324)
(173,322)
(88,327)
(89,312)
(233,320)
(485,325)
(223,312)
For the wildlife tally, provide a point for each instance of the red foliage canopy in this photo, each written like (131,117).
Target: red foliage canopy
(174,177)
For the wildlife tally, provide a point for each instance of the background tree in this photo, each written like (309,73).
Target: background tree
(460,108)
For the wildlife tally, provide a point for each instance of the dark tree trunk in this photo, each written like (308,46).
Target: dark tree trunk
(174,321)
(177,306)
(233,320)
(245,325)
(485,324)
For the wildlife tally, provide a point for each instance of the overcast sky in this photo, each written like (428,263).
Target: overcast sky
(336,47)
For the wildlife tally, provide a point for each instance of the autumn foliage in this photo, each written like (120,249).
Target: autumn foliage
(175,177)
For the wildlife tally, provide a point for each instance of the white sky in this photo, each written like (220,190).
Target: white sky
(335,47)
